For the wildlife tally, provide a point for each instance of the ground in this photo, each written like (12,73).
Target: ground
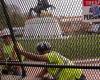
(90,74)
(81,47)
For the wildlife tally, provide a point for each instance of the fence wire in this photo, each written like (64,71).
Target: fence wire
(74,51)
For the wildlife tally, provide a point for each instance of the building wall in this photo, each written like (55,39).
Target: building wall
(42,27)
(74,24)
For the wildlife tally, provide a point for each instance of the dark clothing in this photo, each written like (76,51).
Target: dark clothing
(82,77)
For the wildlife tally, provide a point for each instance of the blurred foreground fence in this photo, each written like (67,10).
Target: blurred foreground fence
(66,35)
(91,69)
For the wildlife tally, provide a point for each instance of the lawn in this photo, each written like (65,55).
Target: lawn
(76,47)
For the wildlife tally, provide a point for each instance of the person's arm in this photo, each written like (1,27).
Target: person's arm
(33,56)
(21,48)
(14,56)
(42,73)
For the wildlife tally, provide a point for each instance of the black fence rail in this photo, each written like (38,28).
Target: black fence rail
(34,68)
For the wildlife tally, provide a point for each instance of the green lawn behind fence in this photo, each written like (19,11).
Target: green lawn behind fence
(76,47)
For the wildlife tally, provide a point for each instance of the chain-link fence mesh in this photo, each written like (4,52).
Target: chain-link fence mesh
(57,22)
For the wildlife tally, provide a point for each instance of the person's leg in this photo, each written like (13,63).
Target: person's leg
(17,71)
(83,77)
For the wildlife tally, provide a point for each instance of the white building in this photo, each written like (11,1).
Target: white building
(44,27)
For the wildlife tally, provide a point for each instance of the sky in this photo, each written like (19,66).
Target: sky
(63,7)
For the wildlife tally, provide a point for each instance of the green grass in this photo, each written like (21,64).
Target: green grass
(87,46)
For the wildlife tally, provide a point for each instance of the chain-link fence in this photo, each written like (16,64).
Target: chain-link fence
(48,40)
